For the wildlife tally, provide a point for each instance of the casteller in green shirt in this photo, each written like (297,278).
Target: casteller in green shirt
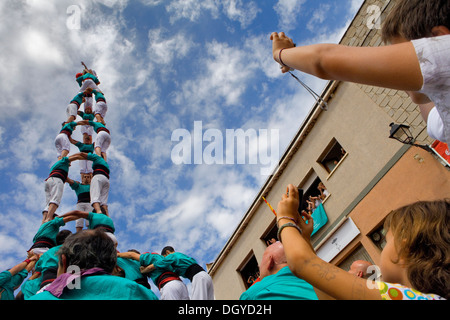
(283,285)
(102,287)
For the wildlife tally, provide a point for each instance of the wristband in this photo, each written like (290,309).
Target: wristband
(289,218)
(27,261)
(279,58)
(289,224)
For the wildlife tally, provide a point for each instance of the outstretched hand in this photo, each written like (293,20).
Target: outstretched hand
(280,41)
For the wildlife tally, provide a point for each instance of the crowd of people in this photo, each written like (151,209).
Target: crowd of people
(86,265)
(414,262)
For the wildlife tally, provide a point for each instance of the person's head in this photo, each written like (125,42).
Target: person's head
(273,260)
(167,250)
(359,268)
(78,75)
(86,178)
(87,109)
(62,236)
(87,249)
(418,247)
(87,138)
(415,19)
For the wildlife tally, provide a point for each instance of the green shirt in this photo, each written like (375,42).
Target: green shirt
(80,188)
(100,219)
(147,259)
(102,287)
(88,148)
(49,229)
(30,287)
(8,283)
(283,285)
(178,261)
(69,127)
(96,125)
(131,268)
(97,160)
(48,260)
(62,164)
(87,76)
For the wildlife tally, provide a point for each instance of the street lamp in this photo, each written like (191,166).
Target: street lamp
(401,133)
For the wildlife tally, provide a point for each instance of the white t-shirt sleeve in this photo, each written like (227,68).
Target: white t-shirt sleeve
(435,125)
(434,58)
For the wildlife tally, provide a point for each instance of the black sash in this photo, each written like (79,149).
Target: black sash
(192,271)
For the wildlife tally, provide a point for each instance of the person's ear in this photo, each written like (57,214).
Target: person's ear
(271,264)
(440,31)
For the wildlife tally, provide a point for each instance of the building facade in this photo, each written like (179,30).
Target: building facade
(345,147)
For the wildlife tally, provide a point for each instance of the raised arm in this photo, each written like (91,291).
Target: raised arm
(73,141)
(305,264)
(78,156)
(129,255)
(74,215)
(394,66)
(83,123)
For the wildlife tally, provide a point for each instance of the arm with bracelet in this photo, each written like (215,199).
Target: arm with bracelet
(305,264)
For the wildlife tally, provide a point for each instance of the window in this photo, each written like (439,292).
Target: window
(249,270)
(332,156)
(359,253)
(314,191)
(378,237)
(271,234)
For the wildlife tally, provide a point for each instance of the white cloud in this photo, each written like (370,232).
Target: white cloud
(237,10)
(191,9)
(288,11)
(163,50)
(318,17)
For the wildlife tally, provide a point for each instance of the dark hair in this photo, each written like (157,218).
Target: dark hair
(422,237)
(90,249)
(414,19)
(62,236)
(166,249)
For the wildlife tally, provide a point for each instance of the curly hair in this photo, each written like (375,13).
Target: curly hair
(422,238)
(89,249)
(414,19)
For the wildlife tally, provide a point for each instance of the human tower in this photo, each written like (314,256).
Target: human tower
(93,189)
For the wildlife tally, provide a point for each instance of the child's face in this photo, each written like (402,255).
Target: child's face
(391,271)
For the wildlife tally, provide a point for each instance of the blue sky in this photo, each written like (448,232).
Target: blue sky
(163,65)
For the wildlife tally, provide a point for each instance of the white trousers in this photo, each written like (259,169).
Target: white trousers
(202,287)
(103,140)
(174,290)
(88,83)
(72,110)
(86,207)
(54,188)
(62,142)
(99,189)
(100,108)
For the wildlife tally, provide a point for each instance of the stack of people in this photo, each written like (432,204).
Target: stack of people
(86,265)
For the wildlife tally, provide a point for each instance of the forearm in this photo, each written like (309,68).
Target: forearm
(394,67)
(17,268)
(129,255)
(324,276)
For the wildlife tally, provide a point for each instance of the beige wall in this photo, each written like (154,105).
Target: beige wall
(362,128)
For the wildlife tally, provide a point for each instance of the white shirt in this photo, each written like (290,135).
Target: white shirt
(434,58)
